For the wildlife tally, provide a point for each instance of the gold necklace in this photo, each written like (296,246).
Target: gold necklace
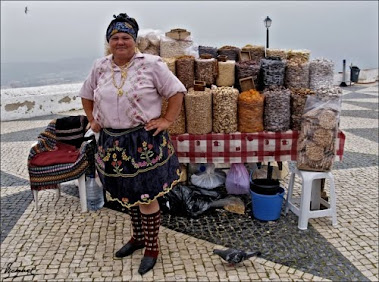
(124,69)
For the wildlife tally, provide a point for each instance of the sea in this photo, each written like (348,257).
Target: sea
(32,74)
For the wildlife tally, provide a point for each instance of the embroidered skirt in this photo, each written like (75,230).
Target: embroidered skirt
(134,166)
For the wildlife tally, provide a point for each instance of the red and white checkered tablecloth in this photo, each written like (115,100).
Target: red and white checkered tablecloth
(242,147)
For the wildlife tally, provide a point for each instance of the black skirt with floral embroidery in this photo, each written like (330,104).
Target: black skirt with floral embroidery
(134,166)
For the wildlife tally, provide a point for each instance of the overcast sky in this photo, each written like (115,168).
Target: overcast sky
(55,30)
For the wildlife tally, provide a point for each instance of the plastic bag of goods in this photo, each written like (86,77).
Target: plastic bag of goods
(209,179)
(237,180)
(225,102)
(148,41)
(318,134)
(174,48)
(250,111)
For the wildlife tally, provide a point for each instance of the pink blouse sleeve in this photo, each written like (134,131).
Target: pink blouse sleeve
(90,83)
(166,83)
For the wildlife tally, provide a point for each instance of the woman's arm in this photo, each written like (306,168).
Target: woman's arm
(88,109)
(174,107)
(173,110)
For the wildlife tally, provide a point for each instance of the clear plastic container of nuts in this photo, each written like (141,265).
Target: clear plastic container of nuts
(318,134)
(277,108)
(298,99)
(225,109)
(179,125)
(250,111)
(198,105)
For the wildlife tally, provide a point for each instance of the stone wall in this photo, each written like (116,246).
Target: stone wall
(19,103)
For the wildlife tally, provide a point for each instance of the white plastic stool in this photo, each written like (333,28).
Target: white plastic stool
(82,193)
(311,197)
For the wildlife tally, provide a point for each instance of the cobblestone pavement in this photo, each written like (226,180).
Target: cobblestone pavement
(58,243)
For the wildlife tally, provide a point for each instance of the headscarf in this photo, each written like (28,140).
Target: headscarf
(122,23)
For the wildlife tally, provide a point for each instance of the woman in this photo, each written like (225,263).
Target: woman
(122,99)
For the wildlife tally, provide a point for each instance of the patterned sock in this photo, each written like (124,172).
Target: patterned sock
(151,223)
(138,234)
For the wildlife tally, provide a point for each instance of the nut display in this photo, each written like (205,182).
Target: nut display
(327,119)
(170,62)
(179,125)
(321,73)
(297,75)
(225,109)
(250,111)
(205,70)
(208,50)
(299,56)
(327,93)
(246,69)
(256,52)
(273,70)
(316,143)
(281,53)
(231,52)
(174,48)
(226,71)
(198,105)
(298,98)
(323,137)
(185,70)
(277,109)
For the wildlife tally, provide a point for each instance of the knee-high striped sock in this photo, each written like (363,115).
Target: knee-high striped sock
(138,234)
(151,223)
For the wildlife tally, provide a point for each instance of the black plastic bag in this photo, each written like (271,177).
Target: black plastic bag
(189,201)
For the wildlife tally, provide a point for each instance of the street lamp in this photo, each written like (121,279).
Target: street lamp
(267,22)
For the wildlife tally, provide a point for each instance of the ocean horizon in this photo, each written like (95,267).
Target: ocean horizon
(33,74)
(71,71)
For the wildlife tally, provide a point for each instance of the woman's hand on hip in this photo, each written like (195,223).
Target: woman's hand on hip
(95,126)
(159,124)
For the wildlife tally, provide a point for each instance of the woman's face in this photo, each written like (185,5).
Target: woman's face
(122,44)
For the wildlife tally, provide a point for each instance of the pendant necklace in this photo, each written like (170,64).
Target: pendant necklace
(123,69)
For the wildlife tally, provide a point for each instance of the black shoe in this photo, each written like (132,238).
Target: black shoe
(128,249)
(147,263)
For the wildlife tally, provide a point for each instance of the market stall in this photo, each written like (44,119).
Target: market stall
(242,147)
(248,105)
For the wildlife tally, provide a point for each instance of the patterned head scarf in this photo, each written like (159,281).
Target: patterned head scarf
(123,23)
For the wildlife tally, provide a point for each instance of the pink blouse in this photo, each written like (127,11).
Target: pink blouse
(148,80)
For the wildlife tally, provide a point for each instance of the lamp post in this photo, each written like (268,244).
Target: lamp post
(267,22)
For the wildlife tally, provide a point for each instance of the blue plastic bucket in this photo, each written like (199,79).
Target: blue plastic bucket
(267,207)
